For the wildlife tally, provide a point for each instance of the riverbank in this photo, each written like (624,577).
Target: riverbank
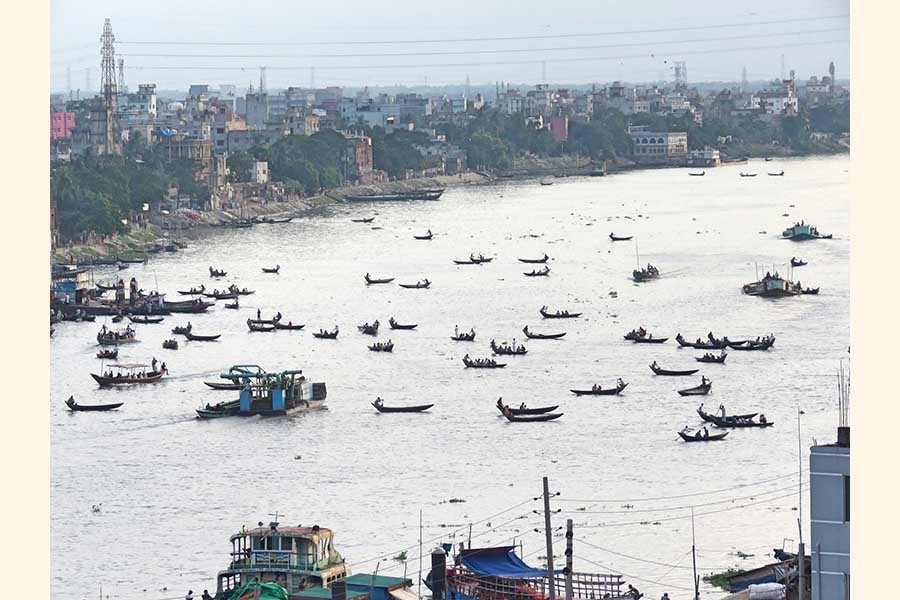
(188,224)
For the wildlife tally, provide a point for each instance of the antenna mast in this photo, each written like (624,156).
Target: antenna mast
(108,86)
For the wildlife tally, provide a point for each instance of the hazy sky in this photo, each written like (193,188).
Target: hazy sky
(353,43)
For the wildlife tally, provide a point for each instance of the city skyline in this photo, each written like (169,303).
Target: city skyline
(180,45)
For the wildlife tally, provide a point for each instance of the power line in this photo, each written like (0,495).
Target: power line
(646,560)
(488,39)
(486,63)
(492,51)
(677,587)
(691,495)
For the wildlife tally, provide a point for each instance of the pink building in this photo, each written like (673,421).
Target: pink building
(559,128)
(61,125)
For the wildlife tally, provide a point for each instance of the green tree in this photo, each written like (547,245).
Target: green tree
(240,165)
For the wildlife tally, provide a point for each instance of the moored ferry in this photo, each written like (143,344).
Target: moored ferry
(267,394)
(295,558)
(803,231)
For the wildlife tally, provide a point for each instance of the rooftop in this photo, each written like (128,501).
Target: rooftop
(326,593)
(288,531)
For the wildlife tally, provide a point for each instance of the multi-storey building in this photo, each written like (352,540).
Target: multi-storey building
(654,147)
(829,481)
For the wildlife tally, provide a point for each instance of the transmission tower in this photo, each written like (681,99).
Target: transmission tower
(122,89)
(108,86)
(680,74)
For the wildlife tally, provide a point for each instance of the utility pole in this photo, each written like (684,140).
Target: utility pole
(694,556)
(420,553)
(550,580)
(801,549)
(569,559)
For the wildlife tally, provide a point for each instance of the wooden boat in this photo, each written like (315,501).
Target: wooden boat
(223,409)
(649,340)
(711,344)
(618,238)
(647,274)
(181,329)
(796,262)
(192,291)
(732,422)
(535,261)
(243,224)
(118,318)
(273,221)
(217,273)
(700,174)
(144,319)
(170,344)
(538,273)
(369,220)
(326,335)
(748,174)
(223,386)
(659,371)
(427,236)
(517,412)
(371,281)
(271,321)
(426,194)
(132,261)
(708,417)
(202,338)
(288,326)
(233,305)
(779,174)
(542,336)
(74,406)
(636,334)
(466,262)
(752,345)
(121,266)
(530,418)
(713,437)
(108,354)
(620,385)
(369,329)
(710,358)
(189,306)
(382,346)
(254,326)
(395,325)
(128,374)
(558,314)
(489,363)
(506,350)
(809,291)
(272,270)
(106,288)
(244,292)
(380,407)
(115,338)
(546,182)
(221,295)
(802,231)
(700,390)
(419,285)
(464,337)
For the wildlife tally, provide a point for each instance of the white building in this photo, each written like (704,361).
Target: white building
(142,103)
(829,481)
(260,172)
(658,147)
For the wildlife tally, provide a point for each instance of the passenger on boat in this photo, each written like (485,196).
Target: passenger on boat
(190,595)
(206,596)
(705,433)
(700,408)
(762,418)
(522,406)
(619,382)
(665,596)
(163,368)
(722,410)
(153,364)
(633,592)
(705,380)
(379,401)
(595,388)
(258,314)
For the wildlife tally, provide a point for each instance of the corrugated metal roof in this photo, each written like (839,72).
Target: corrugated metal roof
(319,593)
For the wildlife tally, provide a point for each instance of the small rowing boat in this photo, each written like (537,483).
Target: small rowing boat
(660,371)
(597,390)
(542,336)
(380,407)
(536,261)
(75,407)
(700,390)
(373,280)
(618,238)
(202,338)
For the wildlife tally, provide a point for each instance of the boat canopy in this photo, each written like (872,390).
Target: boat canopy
(128,366)
(499,562)
(266,591)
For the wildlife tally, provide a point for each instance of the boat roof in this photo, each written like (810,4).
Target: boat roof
(128,366)
(376,581)
(288,531)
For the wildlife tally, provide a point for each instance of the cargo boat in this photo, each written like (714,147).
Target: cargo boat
(430,194)
(267,394)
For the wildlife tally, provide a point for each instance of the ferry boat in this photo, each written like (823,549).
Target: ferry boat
(295,558)
(772,286)
(267,394)
(803,231)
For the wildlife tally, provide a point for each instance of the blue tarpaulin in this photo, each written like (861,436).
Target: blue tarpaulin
(499,562)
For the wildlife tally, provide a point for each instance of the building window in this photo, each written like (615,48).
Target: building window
(846,498)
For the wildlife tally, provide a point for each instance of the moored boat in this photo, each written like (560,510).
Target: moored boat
(223,386)
(427,194)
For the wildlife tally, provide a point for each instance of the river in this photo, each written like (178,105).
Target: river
(173,488)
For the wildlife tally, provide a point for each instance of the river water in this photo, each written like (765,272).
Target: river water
(173,488)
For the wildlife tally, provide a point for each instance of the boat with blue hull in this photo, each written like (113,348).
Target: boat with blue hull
(267,394)
(803,231)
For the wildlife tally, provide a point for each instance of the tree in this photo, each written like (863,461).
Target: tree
(240,165)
